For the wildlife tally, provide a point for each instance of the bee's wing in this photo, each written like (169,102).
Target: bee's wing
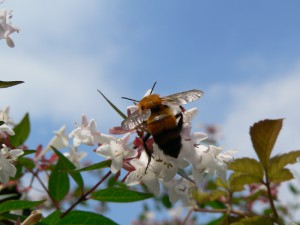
(135,119)
(182,97)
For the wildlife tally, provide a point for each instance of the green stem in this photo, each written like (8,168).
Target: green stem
(275,214)
(35,174)
(84,196)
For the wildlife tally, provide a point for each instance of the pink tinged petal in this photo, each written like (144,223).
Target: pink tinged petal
(104,150)
(221,173)
(15,153)
(199,136)
(10,42)
(6,170)
(105,139)
(84,121)
(7,129)
(190,114)
(198,174)
(173,197)
(117,157)
(135,177)
(190,153)
(214,150)
(116,164)
(169,175)
(152,184)
(131,153)
(227,157)
(92,126)
(125,138)
(131,180)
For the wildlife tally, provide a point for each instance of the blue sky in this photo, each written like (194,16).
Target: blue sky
(244,55)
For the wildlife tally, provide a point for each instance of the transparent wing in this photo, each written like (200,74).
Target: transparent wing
(182,97)
(135,119)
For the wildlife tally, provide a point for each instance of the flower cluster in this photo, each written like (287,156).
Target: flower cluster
(7,156)
(202,160)
(6,27)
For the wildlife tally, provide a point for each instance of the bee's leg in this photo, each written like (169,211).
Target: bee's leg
(180,122)
(147,149)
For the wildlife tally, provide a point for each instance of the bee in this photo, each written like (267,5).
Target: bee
(157,115)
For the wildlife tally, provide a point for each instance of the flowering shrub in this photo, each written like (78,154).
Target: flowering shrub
(197,179)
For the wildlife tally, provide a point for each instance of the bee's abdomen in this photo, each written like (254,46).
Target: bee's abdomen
(166,135)
(169,141)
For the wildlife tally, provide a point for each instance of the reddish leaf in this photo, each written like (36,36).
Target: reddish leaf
(263,135)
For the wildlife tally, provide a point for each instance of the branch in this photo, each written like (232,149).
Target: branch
(84,196)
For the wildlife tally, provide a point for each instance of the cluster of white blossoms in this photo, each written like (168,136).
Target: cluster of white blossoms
(162,169)
(7,156)
(6,27)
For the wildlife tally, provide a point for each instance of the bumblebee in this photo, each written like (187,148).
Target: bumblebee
(157,115)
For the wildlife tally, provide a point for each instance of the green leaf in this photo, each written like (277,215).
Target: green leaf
(22,131)
(119,195)
(85,218)
(27,163)
(255,220)
(220,183)
(216,221)
(2,197)
(97,166)
(53,218)
(263,135)
(59,183)
(281,176)
(6,84)
(278,162)
(28,152)
(247,166)
(294,189)
(18,204)
(166,201)
(65,164)
(254,196)
(205,197)
(113,106)
(239,180)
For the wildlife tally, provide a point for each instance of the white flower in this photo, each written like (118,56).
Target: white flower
(75,156)
(117,150)
(190,146)
(7,157)
(141,175)
(6,27)
(212,162)
(179,190)
(85,134)
(161,168)
(6,129)
(59,141)
(4,116)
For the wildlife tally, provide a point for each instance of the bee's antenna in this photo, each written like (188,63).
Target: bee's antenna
(153,87)
(130,99)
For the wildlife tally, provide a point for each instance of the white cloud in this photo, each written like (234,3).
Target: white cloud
(54,56)
(271,99)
